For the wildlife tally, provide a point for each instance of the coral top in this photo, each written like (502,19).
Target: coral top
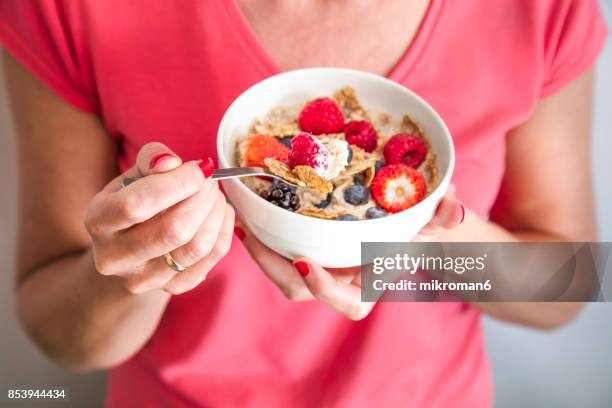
(166,71)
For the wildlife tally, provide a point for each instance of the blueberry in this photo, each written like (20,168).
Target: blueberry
(282,186)
(346,217)
(375,212)
(350,155)
(282,195)
(357,194)
(379,165)
(286,141)
(325,203)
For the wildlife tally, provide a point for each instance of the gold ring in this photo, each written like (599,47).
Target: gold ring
(175,266)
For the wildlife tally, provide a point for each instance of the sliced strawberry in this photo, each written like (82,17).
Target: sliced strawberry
(397,187)
(260,147)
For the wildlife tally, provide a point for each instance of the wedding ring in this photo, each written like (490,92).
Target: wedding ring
(175,266)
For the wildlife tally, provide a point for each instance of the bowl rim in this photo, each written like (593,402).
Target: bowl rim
(224,162)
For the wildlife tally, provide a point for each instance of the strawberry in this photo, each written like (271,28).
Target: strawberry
(307,150)
(321,116)
(260,147)
(404,148)
(361,134)
(397,187)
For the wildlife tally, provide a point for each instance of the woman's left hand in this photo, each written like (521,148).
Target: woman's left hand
(304,279)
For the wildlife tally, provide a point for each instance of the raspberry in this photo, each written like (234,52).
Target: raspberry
(321,116)
(307,150)
(361,134)
(397,187)
(408,149)
(260,147)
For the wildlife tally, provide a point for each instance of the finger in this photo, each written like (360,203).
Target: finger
(278,269)
(205,237)
(198,272)
(152,275)
(116,184)
(157,274)
(145,198)
(166,232)
(449,214)
(345,274)
(156,157)
(342,296)
(152,158)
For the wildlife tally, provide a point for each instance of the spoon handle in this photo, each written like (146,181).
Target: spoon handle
(222,174)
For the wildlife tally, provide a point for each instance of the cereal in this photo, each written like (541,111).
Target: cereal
(359,166)
(283,171)
(350,105)
(304,176)
(412,126)
(324,188)
(370,173)
(312,179)
(321,213)
(279,122)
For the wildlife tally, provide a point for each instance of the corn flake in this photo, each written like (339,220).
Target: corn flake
(281,170)
(312,179)
(321,213)
(349,104)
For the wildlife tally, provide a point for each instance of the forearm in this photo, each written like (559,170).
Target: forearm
(83,319)
(534,314)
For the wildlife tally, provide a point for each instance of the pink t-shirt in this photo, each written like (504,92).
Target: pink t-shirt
(166,71)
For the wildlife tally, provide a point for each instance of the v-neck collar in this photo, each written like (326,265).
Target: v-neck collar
(268,65)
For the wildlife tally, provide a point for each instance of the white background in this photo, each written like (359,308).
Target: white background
(568,368)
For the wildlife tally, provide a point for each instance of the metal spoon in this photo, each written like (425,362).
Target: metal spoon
(233,172)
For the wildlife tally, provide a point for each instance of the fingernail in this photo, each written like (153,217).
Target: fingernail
(302,267)
(462,213)
(208,167)
(157,159)
(239,233)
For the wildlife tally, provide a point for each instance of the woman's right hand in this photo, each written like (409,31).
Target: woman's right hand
(174,207)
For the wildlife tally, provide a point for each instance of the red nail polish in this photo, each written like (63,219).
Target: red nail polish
(462,213)
(239,233)
(158,158)
(302,267)
(208,167)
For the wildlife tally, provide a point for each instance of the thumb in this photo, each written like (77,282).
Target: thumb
(156,157)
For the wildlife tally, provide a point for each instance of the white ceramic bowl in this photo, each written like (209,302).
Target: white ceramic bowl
(331,243)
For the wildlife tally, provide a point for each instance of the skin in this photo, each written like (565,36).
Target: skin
(93,287)
(91,284)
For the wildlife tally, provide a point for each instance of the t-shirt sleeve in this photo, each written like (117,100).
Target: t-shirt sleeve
(44,37)
(575,35)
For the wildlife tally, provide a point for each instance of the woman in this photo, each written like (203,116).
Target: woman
(106,90)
